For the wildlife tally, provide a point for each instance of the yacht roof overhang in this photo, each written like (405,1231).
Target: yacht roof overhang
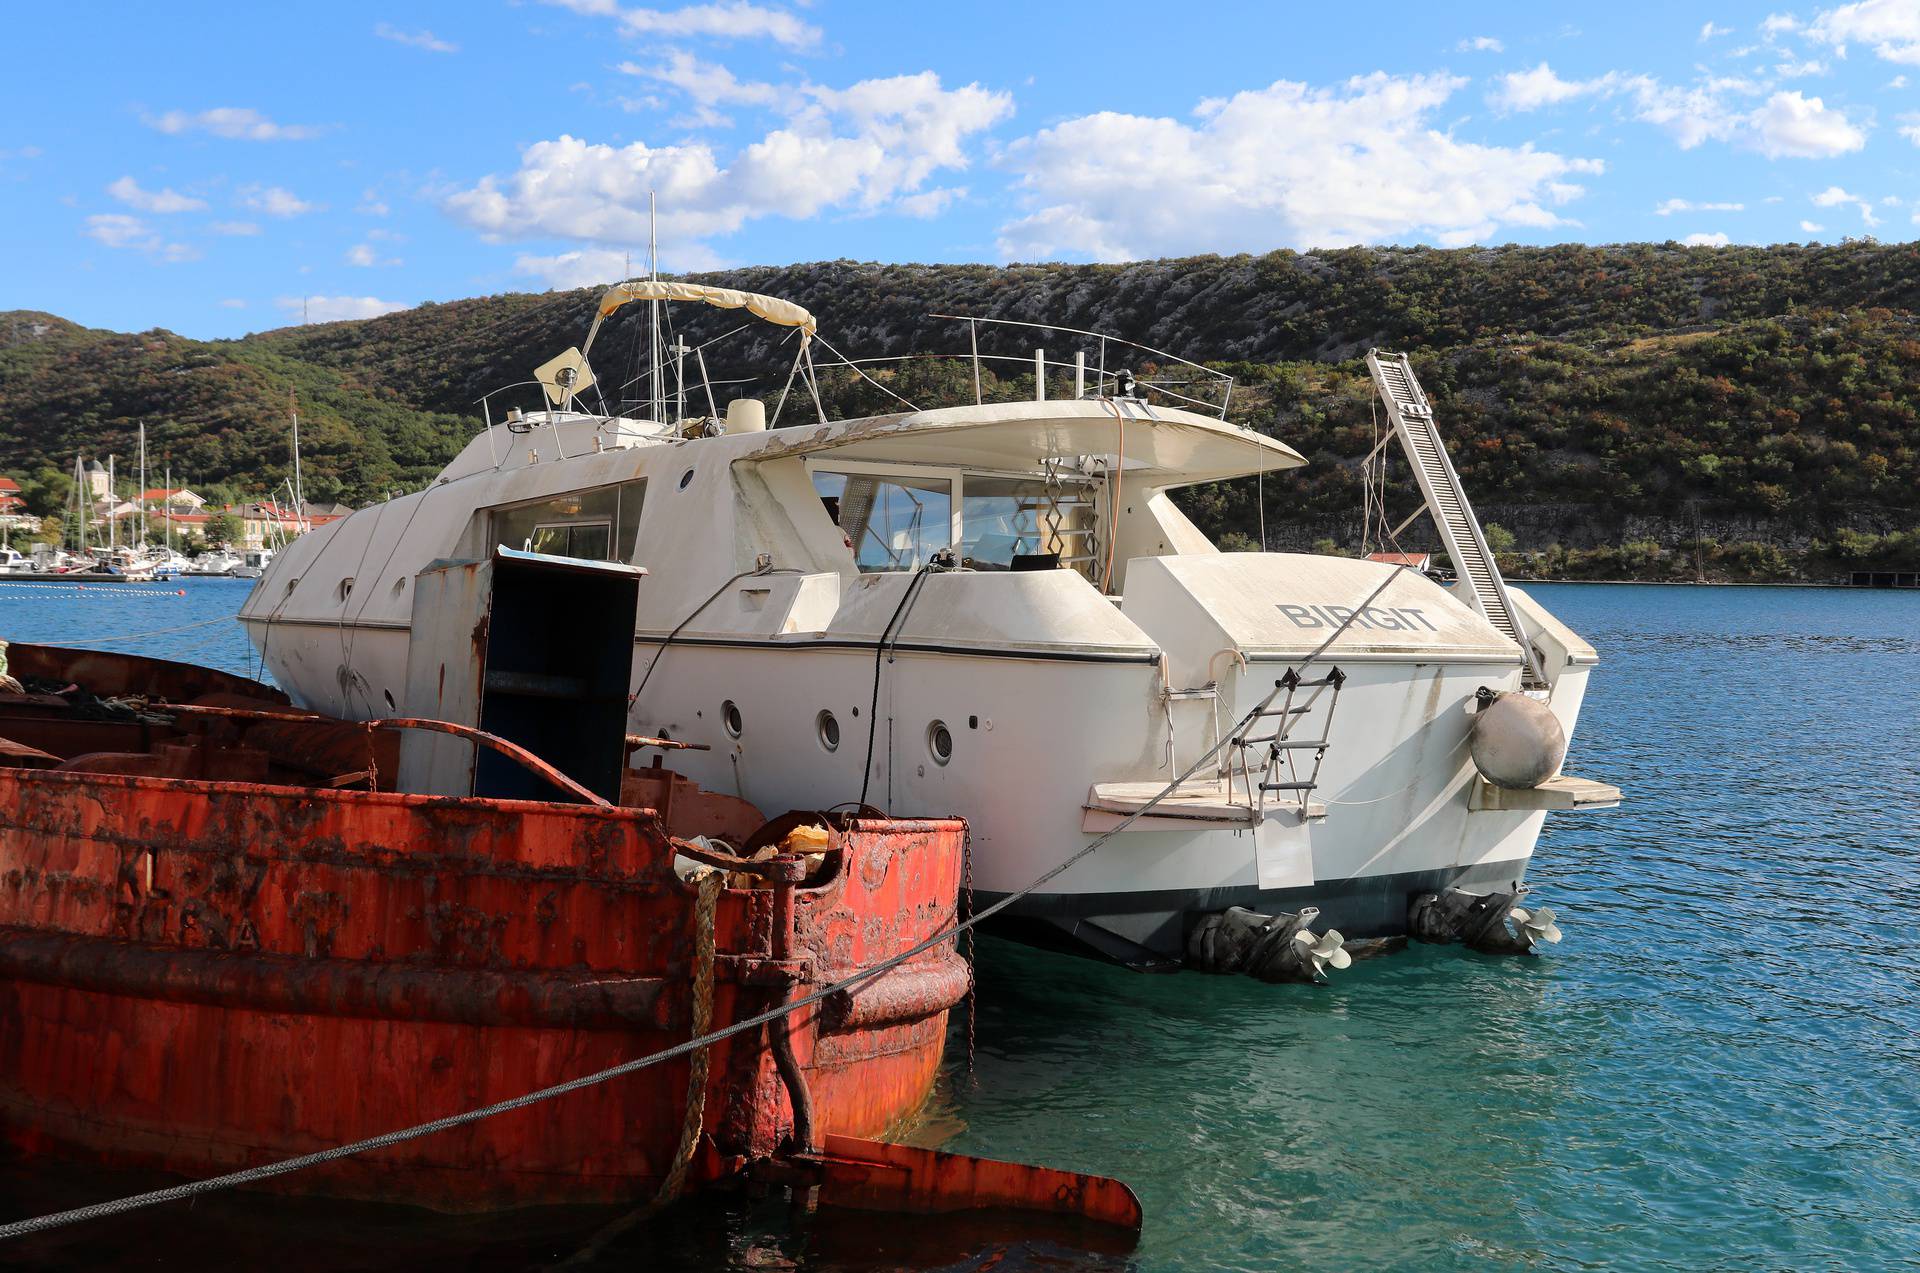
(1163,446)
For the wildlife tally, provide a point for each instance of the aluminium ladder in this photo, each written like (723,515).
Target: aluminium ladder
(1460,532)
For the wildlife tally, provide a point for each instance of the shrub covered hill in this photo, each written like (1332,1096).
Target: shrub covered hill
(1645,410)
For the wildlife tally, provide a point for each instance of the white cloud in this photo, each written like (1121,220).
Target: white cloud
(1892,27)
(1712,30)
(707,83)
(1812,227)
(1481,44)
(1898,81)
(276,201)
(237,123)
(1715,240)
(372,205)
(330,309)
(238,229)
(1793,126)
(1780,24)
(122,231)
(129,192)
(725,20)
(1530,90)
(932,203)
(1910,127)
(418,39)
(1800,70)
(1671,206)
(583,268)
(1787,125)
(119,230)
(1834,196)
(1285,165)
(860,148)
(364,255)
(233,302)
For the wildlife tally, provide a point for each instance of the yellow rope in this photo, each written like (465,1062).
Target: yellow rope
(699,1063)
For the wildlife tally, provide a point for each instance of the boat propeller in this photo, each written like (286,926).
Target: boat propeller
(1488,922)
(1272,948)
(1537,925)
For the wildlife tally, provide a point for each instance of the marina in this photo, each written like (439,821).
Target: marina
(795,637)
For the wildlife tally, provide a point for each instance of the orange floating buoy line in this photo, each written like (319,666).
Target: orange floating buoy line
(573,995)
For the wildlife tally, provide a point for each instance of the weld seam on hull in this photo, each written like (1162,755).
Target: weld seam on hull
(257,982)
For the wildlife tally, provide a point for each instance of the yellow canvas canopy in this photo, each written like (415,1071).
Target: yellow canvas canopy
(770,308)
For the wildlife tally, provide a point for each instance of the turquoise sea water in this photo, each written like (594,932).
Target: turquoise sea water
(1718,1069)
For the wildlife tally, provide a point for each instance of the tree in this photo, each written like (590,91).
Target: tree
(224,528)
(1499,538)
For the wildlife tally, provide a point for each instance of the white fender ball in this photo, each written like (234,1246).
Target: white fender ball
(1517,742)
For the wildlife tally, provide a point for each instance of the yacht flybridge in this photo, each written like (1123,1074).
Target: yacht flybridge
(997,610)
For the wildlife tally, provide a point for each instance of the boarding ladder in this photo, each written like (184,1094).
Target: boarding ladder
(1276,756)
(1460,532)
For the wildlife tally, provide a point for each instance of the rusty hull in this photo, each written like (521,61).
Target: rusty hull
(201,975)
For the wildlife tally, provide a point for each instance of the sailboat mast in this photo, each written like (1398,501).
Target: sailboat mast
(113,523)
(74,505)
(141,500)
(656,392)
(299,489)
(166,510)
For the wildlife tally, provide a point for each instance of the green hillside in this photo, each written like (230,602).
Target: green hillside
(1642,409)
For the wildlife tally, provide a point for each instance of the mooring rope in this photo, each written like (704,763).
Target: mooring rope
(266,1171)
(697,1069)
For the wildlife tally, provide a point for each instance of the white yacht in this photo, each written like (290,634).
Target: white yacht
(211,564)
(252,563)
(994,609)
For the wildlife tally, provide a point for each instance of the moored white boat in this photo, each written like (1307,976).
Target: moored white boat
(998,609)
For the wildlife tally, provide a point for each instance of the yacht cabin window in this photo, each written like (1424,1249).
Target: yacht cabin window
(600,523)
(895,520)
(1012,523)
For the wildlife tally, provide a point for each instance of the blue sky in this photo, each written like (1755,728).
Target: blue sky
(212,169)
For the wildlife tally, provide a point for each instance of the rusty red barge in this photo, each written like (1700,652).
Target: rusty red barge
(226,938)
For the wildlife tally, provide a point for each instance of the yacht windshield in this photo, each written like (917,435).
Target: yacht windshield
(893,522)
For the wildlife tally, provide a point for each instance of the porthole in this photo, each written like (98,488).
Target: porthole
(940,742)
(730,717)
(829,729)
(686,479)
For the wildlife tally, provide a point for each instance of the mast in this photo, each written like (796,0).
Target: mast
(656,391)
(76,504)
(299,491)
(113,523)
(166,510)
(140,501)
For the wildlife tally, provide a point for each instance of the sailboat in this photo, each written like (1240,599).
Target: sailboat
(998,609)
